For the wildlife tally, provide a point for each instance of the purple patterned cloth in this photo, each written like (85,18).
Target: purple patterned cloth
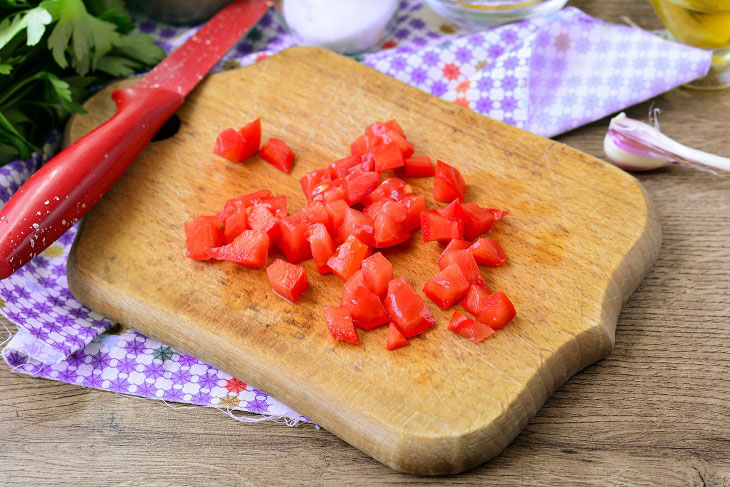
(546,75)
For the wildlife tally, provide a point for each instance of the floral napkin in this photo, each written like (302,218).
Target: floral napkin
(546,75)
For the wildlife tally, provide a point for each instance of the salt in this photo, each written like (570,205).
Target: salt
(347,27)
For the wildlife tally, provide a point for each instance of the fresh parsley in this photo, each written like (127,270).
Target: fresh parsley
(51,53)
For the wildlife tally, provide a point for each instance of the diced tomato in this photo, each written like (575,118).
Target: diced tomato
(418,167)
(235,221)
(358,224)
(316,212)
(321,245)
(475,298)
(293,237)
(394,188)
(358,186)
(387,232)
(395,338)
(453,210)
(277,205)
(343,167)
(415,204)
(364,144)
(339,324)
(387,157)
(364,305)
(467,265)
(262,219)
(437,227)
(456,320)
(396,210)
(251,134)
(348,258)
(454,244)
(230,145)
(377,272)
(468,328)
(407,309)
(336,210)
(487,251)
(249,249)
(380,128)
(313,179)
(394,138)
(497,311)
(477,220)
(447,287)
(201,235)
(329,191)
(448,183)
(278,154)
(287,280)
(248,199)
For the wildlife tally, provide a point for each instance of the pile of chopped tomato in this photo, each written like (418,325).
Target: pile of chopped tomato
(350,211)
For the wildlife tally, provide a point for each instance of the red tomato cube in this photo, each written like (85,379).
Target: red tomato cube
(475,298)
(387,232)
(453,210)
(377,272)
(448,183)
(447,287)
(467,265)
(336,210)
(415,204)
(358,185)
(249,249)
(437,227)
(418,167)
(477,220)
(498,214)
(321,245)
(394,209)
(293,237)
(278,154)
(468,328)
(348,258)
(487,251)
(387,157)
(454,244)
(339,324)
(247,199)
(313,179)
(395,338)
(262,219)
(287,280)
(497,311)
(407,309)
(275,204)
(364,144)
(235,221)
(380,128)
(251,134)
(365,307)
(393,188)
(201,235)
(404,147)
(229,145)
(358,224)
(316,212)
(343,167)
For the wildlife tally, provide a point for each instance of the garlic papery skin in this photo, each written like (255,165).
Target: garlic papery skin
(637,146)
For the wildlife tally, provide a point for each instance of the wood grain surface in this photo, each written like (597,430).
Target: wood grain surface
(653,413)
(581,234)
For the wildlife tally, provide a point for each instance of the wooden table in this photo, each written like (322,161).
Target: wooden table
(655,412)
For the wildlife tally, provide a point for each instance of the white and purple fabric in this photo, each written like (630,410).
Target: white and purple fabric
(546,75)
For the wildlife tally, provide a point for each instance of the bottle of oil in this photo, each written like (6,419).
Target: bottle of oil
(704,24)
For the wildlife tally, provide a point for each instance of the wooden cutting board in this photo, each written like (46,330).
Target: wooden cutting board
(580,236)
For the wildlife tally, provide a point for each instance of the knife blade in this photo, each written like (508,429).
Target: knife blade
(71,183)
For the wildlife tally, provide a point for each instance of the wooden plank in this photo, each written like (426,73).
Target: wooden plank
(581,236)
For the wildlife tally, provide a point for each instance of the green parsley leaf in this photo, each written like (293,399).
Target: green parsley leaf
(33,21)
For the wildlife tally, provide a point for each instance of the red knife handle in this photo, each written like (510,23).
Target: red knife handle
(71,183)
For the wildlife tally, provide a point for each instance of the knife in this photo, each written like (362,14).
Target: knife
(70,184)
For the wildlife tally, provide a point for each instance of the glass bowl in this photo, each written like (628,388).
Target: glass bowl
(493,12)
